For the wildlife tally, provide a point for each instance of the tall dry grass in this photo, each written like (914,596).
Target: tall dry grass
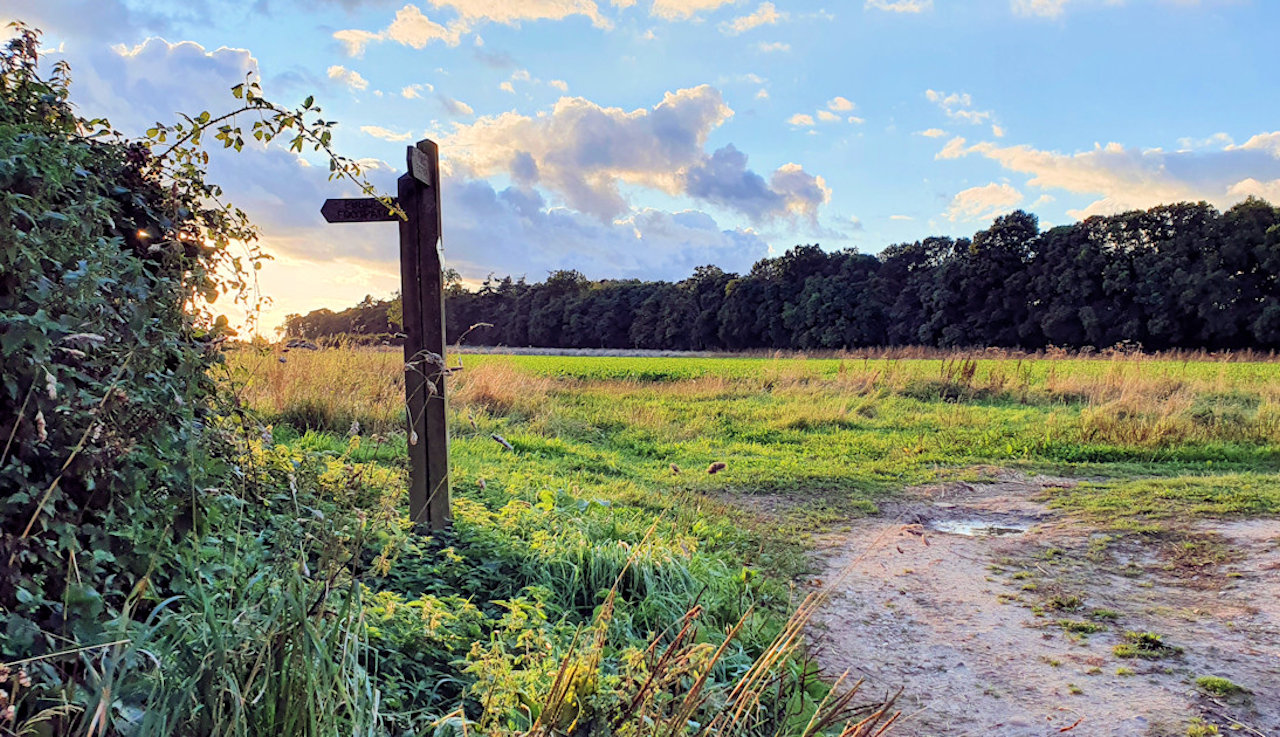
(1128,399)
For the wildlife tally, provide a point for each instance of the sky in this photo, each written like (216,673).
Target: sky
(643,138)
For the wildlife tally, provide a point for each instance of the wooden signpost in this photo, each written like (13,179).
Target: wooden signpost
(422,296)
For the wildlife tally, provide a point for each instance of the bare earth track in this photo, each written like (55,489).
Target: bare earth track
(970,626)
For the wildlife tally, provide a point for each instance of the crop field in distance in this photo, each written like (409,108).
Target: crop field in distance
(1021,545)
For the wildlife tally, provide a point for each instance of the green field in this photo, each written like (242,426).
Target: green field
(608,451)
(833,432)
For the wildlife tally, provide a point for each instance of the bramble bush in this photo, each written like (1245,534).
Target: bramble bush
(144,556)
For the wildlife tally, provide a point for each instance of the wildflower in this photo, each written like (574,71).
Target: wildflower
(24,679)
(50,385)
(42,432)
(354,429)
(9,714)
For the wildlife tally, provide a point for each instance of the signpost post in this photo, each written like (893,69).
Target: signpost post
(422,296)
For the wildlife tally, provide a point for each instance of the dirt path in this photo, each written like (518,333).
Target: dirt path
(971,626)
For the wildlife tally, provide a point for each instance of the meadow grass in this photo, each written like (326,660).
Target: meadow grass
(1157,437)
(602,514)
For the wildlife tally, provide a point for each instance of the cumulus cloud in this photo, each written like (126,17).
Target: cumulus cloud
(414,91)
(901,6)
(932,133)
(982,203)
(766,14)
(770,47)
(801,119)
(350,77)
(725,180)
(840,104)
(559,84)
(410,28)
(515,231)
(584,152)
(958,106)
(1125,178)
(131,85)
(826,116)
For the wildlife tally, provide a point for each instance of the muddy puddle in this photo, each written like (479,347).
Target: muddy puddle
(997,616)
(978,527)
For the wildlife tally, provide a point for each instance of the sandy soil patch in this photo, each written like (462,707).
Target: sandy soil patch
(974,600)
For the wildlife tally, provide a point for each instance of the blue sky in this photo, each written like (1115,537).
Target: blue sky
(641,138)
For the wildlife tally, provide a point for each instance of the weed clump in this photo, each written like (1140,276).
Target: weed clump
(1145,645)
(1220,686)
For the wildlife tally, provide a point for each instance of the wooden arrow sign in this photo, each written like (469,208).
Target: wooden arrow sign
(364,210)
(422,299)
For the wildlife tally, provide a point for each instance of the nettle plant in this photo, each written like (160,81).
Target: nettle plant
(114,254)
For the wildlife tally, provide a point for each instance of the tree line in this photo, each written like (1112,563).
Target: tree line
(1174,276)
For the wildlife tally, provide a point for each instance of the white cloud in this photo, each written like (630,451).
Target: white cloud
(514,231)
(774,46)
(378,131)
(410,28)
(350,77)
(826,116)
(134,86)
(583,152)
(932,133)
(901,6)
(1039,8)
(766,14)
(455,107)
(856,120)
(954,149)
(1216,140)
(958,106)
(982,203)
(684,9)
(1126,178)
(762,94)
(414,91)
(901,218)
(1269,191)
(559,84)
(997,131)
(840,104)
(800,119)
(507,87)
